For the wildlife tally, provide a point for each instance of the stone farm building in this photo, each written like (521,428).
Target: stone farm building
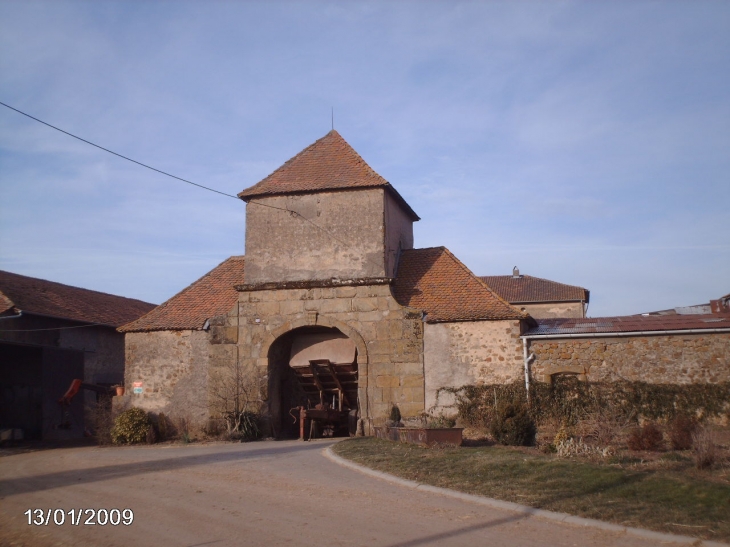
(331,277)
(51,334)
(541,298)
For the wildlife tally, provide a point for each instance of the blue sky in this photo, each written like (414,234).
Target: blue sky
(585,142)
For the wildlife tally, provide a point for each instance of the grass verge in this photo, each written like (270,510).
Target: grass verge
(669,499)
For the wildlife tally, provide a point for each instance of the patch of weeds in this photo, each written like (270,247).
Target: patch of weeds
(674,457)
(653,498)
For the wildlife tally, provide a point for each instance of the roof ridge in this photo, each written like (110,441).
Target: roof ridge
(126,326)
(526,276)
(424,248)
(74,287)
(138,323)
(380,181)
(502,300)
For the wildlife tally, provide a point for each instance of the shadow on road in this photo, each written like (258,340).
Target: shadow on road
(47,481)
(436,538)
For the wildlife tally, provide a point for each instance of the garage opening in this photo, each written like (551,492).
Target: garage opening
(313,380)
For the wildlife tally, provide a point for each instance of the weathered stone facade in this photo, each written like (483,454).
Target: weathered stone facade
(172,368)
(345,235)
(553,309)
(662,359)
(468,353)
(388,337)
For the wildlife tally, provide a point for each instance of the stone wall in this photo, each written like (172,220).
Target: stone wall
(331,235)
(553,309)
(465,353)
(173,369)
(398,234)
(388,336)
(675,359)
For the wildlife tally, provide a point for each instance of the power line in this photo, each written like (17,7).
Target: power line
(116,154)
(293,213)
(57,328)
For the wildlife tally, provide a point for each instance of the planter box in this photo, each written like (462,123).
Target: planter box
(421,435)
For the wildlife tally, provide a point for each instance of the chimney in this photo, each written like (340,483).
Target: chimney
(515,272)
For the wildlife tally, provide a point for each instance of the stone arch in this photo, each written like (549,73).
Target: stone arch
(316,320)
(275,351)
(579,371)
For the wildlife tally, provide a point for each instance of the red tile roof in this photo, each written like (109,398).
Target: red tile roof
(328,164)
(525,288)
(211,295)
(41,297)
(435,281)
(630,323)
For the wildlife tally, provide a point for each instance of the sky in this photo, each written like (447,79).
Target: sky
(585,142)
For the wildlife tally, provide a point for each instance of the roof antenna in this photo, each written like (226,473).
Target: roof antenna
(333,118)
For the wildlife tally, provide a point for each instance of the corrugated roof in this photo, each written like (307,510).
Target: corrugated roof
(328,164)
(41,297)
(525,288)
(435,281)
(211,295)
(629,323)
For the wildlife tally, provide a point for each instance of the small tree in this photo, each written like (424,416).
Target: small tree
(236,397)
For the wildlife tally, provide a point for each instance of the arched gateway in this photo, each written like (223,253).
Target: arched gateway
(314,383)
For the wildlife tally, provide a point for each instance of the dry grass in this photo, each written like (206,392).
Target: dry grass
(666,494)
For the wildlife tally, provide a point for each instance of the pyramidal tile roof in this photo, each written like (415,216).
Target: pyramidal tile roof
(526,288)
(40,297)
(328,164)
(435,281)
(211,295)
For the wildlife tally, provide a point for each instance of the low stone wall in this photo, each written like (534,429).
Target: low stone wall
(467,353)
(669,359)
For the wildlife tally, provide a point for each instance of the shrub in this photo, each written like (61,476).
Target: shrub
(151,435)
(131,426)
(649,437)
(162,426)
(440,422)
(681,430)
(562,435)
(703,445)
(394,418)
(247,428)
(513,426)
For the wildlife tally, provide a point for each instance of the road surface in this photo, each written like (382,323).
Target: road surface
(264,493)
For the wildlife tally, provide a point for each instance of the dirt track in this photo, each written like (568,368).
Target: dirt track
(266,493)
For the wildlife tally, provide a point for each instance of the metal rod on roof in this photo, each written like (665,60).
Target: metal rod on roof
(625,333)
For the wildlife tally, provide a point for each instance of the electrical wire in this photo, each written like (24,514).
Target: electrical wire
(118,155)
(292,213)
(58,328)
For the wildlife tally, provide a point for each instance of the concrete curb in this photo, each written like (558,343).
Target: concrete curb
(523,509)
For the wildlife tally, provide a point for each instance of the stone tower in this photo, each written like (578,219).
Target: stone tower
(325,214)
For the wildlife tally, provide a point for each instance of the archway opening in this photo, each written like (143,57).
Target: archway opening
(313,368)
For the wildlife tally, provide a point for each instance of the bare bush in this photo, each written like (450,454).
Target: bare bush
(681,430)
(704,448)
(101,420)
(648,437)
(237,397)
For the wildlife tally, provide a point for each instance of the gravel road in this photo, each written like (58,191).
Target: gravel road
(265,493)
